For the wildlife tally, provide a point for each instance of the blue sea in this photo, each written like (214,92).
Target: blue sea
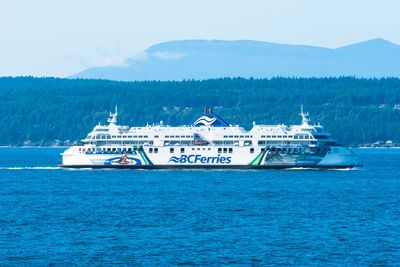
(52,216)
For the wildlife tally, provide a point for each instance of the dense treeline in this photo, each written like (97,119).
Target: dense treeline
(42,110)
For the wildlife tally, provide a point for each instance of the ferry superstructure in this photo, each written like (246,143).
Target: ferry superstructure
(209,142)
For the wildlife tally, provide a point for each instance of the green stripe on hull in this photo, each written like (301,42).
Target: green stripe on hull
(144,157)
(258,159)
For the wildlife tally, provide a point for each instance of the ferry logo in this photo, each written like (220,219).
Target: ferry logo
(204,120)
(199,159)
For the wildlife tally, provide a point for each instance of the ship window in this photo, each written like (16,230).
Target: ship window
(252,150)
(262,136)
(182,136)
(225,136)
(146,136)
(231,136)
(192,148)
(230,150)
(156,150)
(268,136)
(247,136)
(114,149)
(219,150)
(236,136)
(140,136)
(129,149)
(279,136)
(242,136)
(306,137)
(262,149)
(182,150)
(156,136)
(209,148)
(290,136)
(167,136)
(113,136)
(187,136)
(320,137)
(225,150)
(198,148)
(150,150)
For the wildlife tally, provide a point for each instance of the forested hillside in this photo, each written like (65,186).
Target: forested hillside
(39,111)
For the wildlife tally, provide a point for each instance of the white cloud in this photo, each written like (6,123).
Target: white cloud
(112,62)
(165,55)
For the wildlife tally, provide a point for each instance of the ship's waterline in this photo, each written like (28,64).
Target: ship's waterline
(209,142)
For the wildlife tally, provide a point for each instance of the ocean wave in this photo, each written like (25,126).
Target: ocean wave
(326,169)
(30,168)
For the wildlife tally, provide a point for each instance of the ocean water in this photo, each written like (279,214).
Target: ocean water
(52,216)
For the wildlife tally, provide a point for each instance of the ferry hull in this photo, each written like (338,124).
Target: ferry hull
(338,157)
(208,167)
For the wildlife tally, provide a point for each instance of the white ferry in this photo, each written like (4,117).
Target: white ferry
(209,142)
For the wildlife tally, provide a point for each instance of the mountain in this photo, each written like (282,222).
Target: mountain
(201,59)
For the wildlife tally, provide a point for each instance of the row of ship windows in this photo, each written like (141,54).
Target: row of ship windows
(102,136)
(182,150)
(292,149)
(238,136)
(215,142)
(299,136)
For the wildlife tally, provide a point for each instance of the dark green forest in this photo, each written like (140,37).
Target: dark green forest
(40,111)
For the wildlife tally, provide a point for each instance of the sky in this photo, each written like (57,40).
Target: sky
(63,37)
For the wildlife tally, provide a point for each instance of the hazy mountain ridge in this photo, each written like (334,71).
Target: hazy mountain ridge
(201,59)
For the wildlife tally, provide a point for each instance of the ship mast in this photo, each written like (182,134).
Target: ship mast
(113,116)
(304,116)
